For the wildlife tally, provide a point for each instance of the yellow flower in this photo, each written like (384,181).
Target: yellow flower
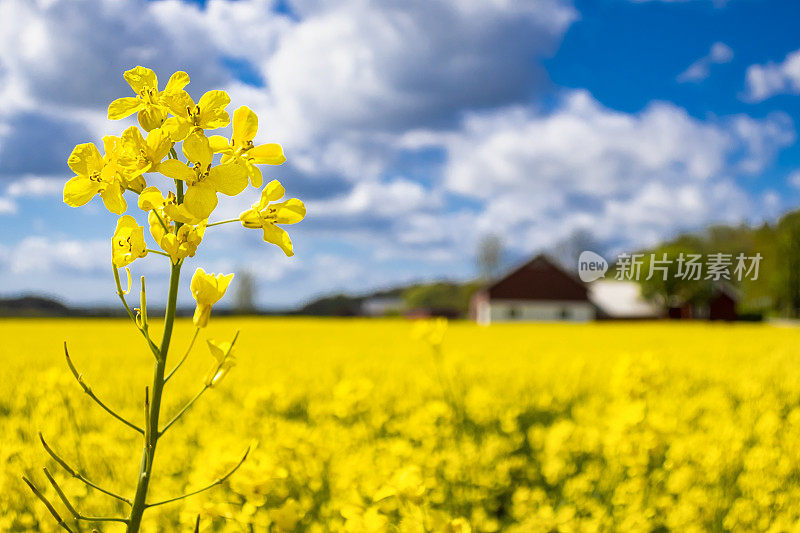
(203,180)
(223,354)
(240,146)
(143,155)
(178,244)
(149,102)
(116,159)
(207,290)
(93,176)
(431,331)
(128,244)
(167,208)
(265,215)
(208,114)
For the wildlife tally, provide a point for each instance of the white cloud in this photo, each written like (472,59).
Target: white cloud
(700,69)
(794,179)
(7,206)
(769,79)
(540,176)
(35,186)
(397,198)
(47,255)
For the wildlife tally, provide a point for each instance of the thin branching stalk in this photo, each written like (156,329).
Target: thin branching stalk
(47,504)
(71,508)
(222,222)
(218,481)
(185,356)
(93,396)
(77,475)
(206,386)
(121,294)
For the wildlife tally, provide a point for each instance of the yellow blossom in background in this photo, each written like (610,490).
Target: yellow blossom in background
(149,102)
(93,176)
(610,426)
(207,289)
(203,180)
(127,244)
(266,215)
(240,146)
(431,331)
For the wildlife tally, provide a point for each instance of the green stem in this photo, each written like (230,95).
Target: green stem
(158,252)
(222,222)
(151,437)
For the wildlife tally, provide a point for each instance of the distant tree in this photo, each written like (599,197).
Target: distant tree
(567,251)
(245,299)
(672,287)
(440,295)
(490,256)
(786,283)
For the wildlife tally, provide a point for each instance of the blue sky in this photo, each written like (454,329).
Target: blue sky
(412,128)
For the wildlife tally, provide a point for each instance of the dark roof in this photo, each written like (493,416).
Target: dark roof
(538,279)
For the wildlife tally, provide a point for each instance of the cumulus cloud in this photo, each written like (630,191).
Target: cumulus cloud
(700,69)
(769,79)
(541,176)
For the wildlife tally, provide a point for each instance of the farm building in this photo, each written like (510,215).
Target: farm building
(541,290)
(537,290)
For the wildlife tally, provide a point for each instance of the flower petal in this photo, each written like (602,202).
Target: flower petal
(278,236)
(178,102)
(273,191)
(141,78)
(229,178)
(200,200)
(268,154)
(197,150)
(256,178)
(245,125)
(124,107)
(218,143)
(112,198)
(79,190)
(212,110)
(177,170)
(291,211)
(177,82)
(151,198)
(85,159)
(175,128)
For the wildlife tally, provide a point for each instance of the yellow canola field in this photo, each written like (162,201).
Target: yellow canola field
(361,427)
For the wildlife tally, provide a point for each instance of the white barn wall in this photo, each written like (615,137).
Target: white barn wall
(532,310)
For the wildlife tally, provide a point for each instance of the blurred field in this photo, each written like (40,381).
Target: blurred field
(597,427)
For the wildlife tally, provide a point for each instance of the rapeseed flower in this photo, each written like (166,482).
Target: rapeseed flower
(93,176)
(149,102)
(240,146)
(127,244)
(203,180)
(225,360)
(207,114)
(207,290)
(265,215)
